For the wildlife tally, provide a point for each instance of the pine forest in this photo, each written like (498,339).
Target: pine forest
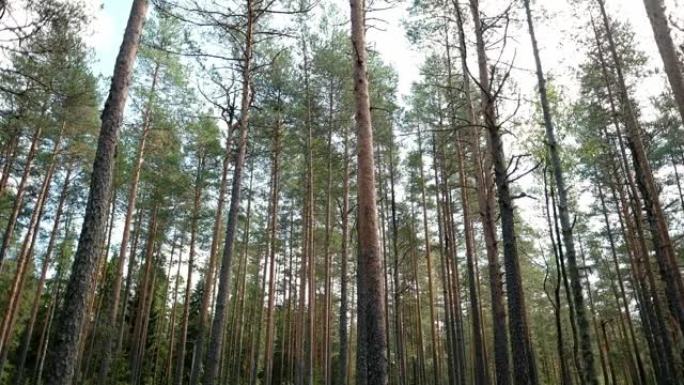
(328,192)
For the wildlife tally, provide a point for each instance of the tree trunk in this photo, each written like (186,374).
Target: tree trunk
(398,324)
(480,370)
(485,197)
(217,330)
(523,373)
(209,279)
(63,355)
(371,291)
(565,376)
(344,307)
(144,297)
(272,234)
(634,349)
(113,311)
(587,368)
(428,257)
(199,180)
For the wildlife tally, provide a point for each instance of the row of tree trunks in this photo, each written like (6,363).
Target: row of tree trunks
(25,257)
(662,245)
(19,196)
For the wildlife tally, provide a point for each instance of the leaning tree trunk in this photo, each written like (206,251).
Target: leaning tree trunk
(62,359)
(372,343)
(587,369)
(671,61)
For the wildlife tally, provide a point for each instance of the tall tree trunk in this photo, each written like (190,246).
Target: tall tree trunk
(480,370)
(217,330)
(565,376)
(113,311)
(587,368)
(144,297)
(11,150)
(255,337)
(660,344)
(272,234)
(123,327)
(209,279)
(428,257)
(521,349)
(485,197)
(326,361)
(398,324)
(172,321)
(344,306)
(634,349)
(308,254)
(371,347)
(180,364)
(63,355)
